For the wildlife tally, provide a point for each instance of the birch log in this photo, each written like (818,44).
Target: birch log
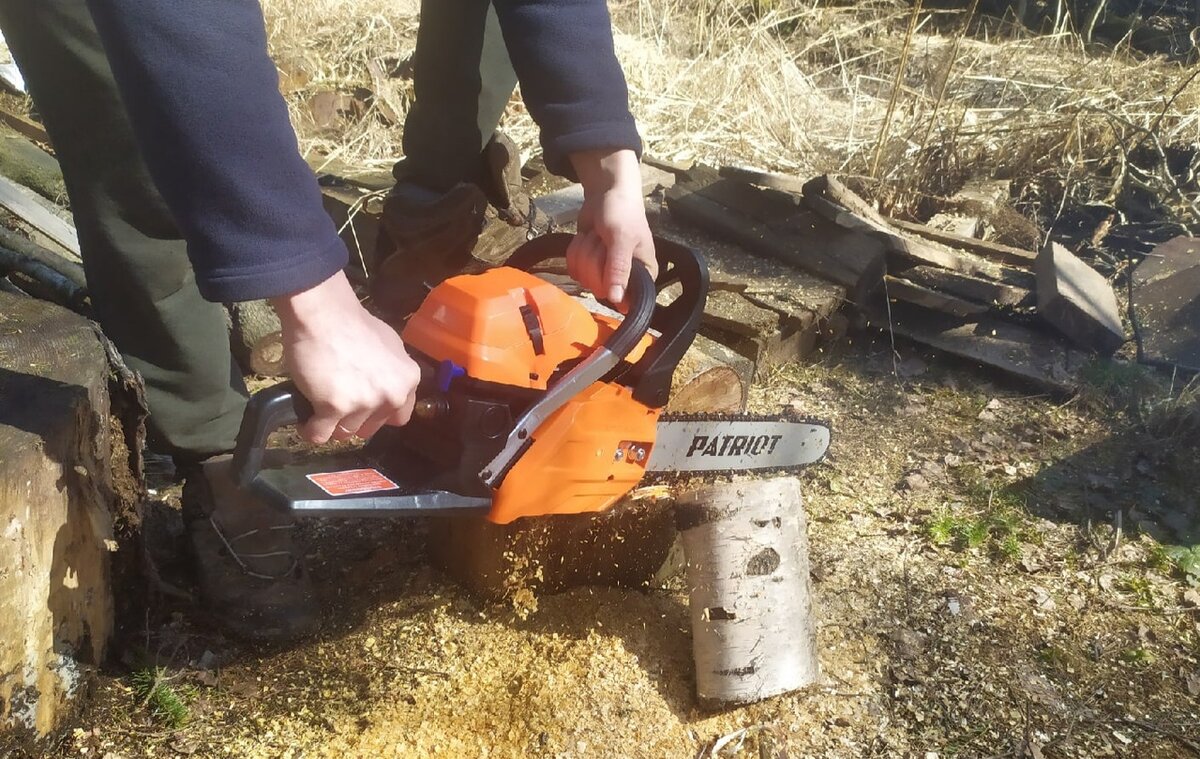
(753,632)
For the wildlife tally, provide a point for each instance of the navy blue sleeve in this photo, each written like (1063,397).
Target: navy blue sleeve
(572,83)
(203,98)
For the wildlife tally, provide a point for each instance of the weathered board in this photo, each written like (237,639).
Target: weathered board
(1166,304)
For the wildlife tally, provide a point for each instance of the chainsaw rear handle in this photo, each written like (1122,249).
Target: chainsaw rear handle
(283,404)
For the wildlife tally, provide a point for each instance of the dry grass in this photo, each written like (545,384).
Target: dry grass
(805,87)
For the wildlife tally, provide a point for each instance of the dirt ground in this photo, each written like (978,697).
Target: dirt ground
(991,566)
(989,580)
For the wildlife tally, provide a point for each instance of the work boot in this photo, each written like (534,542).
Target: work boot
(424,238)
(428,236)
(247,558)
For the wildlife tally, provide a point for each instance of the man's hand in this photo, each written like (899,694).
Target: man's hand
(351,366)
(612,228)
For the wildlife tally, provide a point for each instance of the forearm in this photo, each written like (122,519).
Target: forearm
(203,99)
(562,51)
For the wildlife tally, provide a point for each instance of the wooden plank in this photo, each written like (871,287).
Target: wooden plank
(23,204)
(1166,305)
(809,242)
(563,206)
(900,290)
(1077,300)
(1005,254)
(26,127)
(967,287)
(833,200)
(768,179)
(1021,352)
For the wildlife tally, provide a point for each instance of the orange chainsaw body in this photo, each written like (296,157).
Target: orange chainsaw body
(510,328)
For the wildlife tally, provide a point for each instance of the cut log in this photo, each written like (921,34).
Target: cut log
(753,627)
(255,338)
(1034,356)
(1077,300)
(767,225)
(711,378)
(969,288)
(63,470)
(1005,254)
(624,546)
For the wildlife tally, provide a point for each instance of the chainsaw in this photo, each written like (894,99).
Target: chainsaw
(529,404)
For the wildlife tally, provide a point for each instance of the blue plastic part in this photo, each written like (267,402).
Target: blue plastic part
(447,372)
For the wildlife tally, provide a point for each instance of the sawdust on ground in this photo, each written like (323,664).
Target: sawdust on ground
(975,598)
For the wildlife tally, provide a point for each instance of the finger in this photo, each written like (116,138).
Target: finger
(374,422)
(576,252)
(591,264)
(400,417)
(646,253)
(617,263)
(320,426)
(350,425)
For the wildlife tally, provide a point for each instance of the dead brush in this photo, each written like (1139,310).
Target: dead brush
(804,87)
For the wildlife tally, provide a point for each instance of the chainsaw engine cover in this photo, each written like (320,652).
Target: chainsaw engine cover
(491,344)
(504,326)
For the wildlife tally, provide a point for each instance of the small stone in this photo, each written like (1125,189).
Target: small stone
(993,405)
(952,460)
(916,481)
(1193,683)
(1076,601)
(909,643)
(1043,599)
(1192,598)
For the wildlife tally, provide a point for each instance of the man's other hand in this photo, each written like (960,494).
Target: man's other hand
(612,228)
(352,367)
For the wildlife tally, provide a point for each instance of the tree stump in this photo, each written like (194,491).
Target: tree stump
(64,475)
(753,631)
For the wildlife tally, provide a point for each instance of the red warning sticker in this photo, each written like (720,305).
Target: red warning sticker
(352,482)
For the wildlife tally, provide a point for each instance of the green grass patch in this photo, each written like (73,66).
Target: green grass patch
(1185,561)
(993,520)
(165,702)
